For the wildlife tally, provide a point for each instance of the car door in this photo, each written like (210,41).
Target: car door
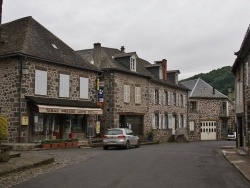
(131,136)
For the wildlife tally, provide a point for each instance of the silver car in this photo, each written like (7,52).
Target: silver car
(120,137)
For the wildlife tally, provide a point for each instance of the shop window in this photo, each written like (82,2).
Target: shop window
(76,124)
(40,82)
(64,85)
(84,88)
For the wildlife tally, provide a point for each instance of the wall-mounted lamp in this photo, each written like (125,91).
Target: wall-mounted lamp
(25,68)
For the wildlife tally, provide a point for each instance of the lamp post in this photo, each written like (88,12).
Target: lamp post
(24,70)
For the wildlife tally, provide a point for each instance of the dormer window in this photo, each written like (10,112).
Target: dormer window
(132,63)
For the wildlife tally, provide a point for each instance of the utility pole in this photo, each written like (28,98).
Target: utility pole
(1,4)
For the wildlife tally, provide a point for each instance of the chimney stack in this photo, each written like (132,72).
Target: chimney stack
(164,69)
(122,49)
(97,54)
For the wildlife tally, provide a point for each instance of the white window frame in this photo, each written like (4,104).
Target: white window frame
(137,95)
(41,78)
(126,93)
(64,85)
(133,63)
(84,88)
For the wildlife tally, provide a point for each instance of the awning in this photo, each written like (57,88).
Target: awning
(68,110)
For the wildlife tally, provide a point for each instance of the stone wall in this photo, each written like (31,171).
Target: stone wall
(10,89)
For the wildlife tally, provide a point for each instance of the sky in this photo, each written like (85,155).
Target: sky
(195,36)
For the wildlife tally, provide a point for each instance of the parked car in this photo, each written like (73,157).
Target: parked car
(231,136)
(120,137)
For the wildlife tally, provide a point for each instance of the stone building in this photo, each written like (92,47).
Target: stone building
(137,94)
(47,89)
(241,72)
(210,113)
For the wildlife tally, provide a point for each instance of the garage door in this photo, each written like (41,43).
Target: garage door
(208,130)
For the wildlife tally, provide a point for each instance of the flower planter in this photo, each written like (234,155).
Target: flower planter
(54,145)
(46,146)
(61,145)
(69,144)
(75,144)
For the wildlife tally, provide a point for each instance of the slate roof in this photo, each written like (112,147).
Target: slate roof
(61,102)
(108,56)
(201,89)
(244,49)
(27,37)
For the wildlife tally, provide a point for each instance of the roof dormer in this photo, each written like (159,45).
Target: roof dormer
(128,60)
(133,63)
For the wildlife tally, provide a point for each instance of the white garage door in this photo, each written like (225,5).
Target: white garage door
(208,130)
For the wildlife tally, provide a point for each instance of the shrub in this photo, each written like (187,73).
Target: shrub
(3,128)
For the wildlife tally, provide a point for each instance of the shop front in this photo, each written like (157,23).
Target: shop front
(61,119)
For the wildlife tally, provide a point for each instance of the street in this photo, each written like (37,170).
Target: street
(195,164)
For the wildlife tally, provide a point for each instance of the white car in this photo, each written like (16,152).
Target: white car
(231,136)
(120,137)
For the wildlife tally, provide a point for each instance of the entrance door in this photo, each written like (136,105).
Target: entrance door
(208,130)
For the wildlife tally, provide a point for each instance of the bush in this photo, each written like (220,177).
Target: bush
(3,128)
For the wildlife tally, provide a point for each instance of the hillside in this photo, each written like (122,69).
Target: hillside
(220,79)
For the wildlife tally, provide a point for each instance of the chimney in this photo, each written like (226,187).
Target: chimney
(164,69)
(97,54)
(122,49)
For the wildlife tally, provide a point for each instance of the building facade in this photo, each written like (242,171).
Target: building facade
(47,90)
(241,70)
(135,93)
(211,114)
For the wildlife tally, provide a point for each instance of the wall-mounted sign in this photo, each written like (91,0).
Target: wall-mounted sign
(25,120)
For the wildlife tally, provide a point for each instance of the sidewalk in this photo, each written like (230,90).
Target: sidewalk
(240,162)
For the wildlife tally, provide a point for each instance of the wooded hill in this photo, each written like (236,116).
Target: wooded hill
(221,79)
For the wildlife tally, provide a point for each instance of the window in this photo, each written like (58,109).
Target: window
(157,122)
(193,106)
(165,98)
(174,99)
(169,98)
(126,93)
(191,125)
(224,108)
(156,96)
(166,121)
(132,63)
(64,85)
(181,121)
(84,88)
(40,82)
(137,95)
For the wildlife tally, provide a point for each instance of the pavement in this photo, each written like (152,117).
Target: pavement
(30,159)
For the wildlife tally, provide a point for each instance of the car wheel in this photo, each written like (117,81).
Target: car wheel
(105,147)
(138,144)
(127,145)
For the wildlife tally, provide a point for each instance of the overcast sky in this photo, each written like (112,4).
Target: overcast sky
(195,36)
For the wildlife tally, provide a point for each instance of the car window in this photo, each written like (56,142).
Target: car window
(114,132)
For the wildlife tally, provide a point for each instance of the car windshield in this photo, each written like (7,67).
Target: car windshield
(114,132)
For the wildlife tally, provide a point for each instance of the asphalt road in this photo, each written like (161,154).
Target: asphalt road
(175,165)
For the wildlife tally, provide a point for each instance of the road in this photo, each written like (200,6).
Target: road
(175,165)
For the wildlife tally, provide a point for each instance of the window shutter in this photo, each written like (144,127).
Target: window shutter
(128,94)
(160,96)
(160,125)
(164,98)
(185,121)
(153,121)
(137,95)
(169,98)
(179,120)
(170,121)
(153,96)
(163,121)
(184,101)
(172,98)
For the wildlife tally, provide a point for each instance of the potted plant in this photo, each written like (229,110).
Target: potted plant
(4,150)
(68,143)
(75,142)
(54,144)
(150,134)
(61,143)
(46,144)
